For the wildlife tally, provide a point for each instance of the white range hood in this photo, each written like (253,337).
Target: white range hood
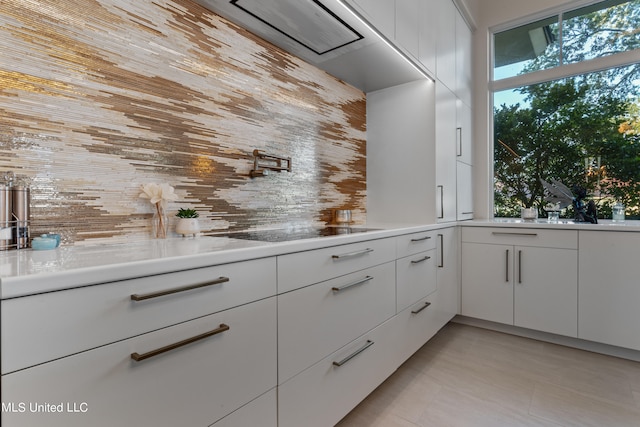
(325,33)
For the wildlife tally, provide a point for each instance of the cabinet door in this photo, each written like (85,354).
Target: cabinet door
(446,43)
(407,26)
(328,315)
(487,282)
(445,154)
(416,278)
(447,272)
(380,13)
(323,394)
(428,34)
(464,191)
(609,288)
(197,382)
(464,135)
(463,60)
(546,290)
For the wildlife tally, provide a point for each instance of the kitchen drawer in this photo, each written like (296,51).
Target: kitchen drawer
(323,394)
(39,328)
(193,385)
(547,238)
(410,244)
(315,321)
(262,412)
(416,278)
(418,323)
(305,268)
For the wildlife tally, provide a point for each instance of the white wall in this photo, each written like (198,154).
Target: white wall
(486,15)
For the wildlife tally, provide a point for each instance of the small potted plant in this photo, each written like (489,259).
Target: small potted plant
(187,222)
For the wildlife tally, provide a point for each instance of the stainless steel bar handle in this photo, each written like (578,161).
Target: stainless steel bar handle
(426,304)
(441,187)
(506,233)
(507,265)
(459,135)
(368,344)
(139,357)
(441,242)
(352,254)
(136,297)
(423,259)
(348,285)
(519,266)
(421,239)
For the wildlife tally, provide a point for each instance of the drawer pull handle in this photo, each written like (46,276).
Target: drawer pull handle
(139,357)
(418,261)
(504,233)
(136,297)
(441,241)
(421,239)
(368,344)
(352,254)
(426,304)
(348,285)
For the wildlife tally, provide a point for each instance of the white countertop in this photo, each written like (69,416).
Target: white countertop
(27,272)
(563,223)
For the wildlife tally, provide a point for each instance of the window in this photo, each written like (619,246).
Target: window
(582,128)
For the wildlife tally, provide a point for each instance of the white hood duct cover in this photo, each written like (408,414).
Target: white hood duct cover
(324,33)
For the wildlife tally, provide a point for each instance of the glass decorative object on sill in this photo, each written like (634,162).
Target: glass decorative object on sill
(618,212)
(529,214)
(159,222)
(553,216)
(158,195)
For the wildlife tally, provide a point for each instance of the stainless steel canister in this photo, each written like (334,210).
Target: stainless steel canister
(6,218)
(22,215)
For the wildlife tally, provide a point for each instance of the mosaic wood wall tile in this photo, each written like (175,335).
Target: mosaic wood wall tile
(93,105)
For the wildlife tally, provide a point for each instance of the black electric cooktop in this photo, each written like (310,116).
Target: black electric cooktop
(285,235)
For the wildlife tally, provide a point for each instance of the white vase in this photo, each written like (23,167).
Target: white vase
(187,226)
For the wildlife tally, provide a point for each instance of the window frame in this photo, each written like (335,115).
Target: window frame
(559,72)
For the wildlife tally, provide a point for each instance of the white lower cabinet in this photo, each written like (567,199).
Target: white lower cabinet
(526,278)
(319,319)
(202,379)
(327,391)
(610,288)
(415,278)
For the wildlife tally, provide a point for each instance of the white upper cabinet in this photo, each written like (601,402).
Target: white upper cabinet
(463,60)
(427,34)
(446,42)
(380,13)
(408,26)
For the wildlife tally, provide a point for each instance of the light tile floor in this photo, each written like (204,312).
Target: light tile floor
(472,377)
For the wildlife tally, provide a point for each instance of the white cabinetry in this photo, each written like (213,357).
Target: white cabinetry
(146,351)
(463,60)
(415,273)
(330,356)
(447,266)
(380,13)
(446,43)
(408,26)
(401,163)
(521,277)
(195,383)
(610,288)
(446,134)
(428,34)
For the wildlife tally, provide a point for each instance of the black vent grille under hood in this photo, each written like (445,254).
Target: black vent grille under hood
(324,33)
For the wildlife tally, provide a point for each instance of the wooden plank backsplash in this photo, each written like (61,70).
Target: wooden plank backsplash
(100,97)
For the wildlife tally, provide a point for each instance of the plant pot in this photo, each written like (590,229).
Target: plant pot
(187,226)
(529,214)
